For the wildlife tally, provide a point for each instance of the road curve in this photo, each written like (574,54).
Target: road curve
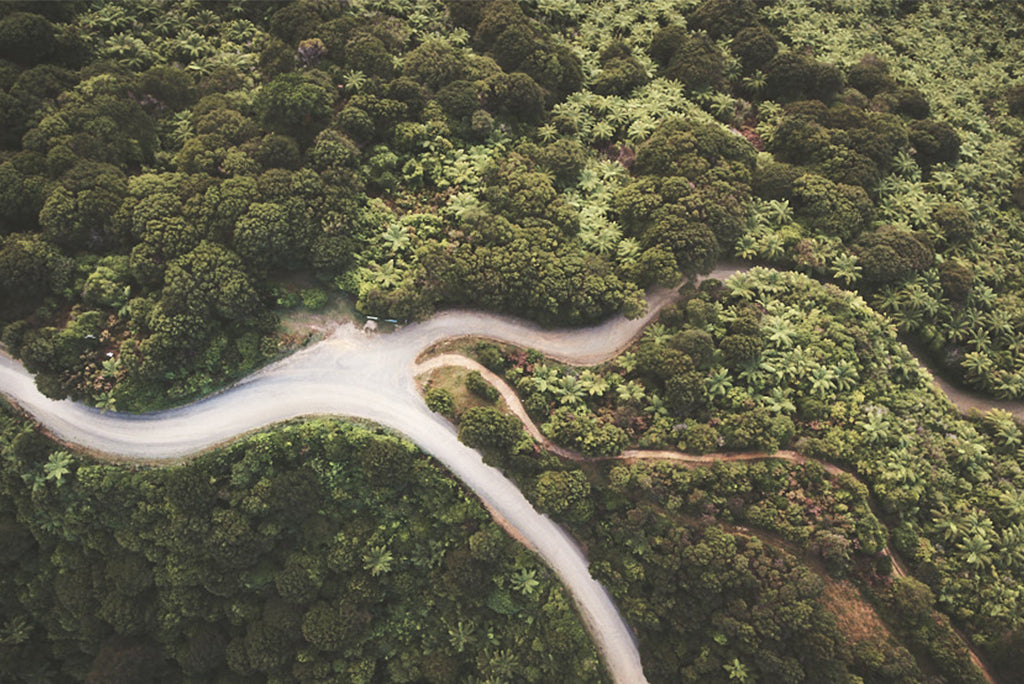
(359,374)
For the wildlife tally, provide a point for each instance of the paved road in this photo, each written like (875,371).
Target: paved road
(354,373)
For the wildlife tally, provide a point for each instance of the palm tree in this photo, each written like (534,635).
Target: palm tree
(655,406)
(779,212)
(396,237)
(58,466)
(778,401)
(780,332)
(846,375)
(977,364)
(545,379)
(607,239)
(737,671)
(977,549)
(461,635)
(570,391)
(631,392)
(525,581)
(1011,501)
(15,631)
(746,247)
(876,428)
(822,381)
(594,383)
(602,131)
(983,296)
(756,82)
(626,361)
(378,560)
(627,252)
(1011,546)
(387,275)
(657,334)
(106,401)
(547,133)
(845,268)
(354,80)
(463,204)
(722,106)
(192,46)
(719,383)
(640,130)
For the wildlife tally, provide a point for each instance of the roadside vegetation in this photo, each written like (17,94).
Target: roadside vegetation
(772,360)
(314,552)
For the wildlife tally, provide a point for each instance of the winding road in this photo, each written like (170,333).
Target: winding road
(365,375)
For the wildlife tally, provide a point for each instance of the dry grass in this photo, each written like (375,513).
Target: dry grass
(855,617)
(453,379)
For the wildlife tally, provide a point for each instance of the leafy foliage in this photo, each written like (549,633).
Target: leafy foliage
(276,557)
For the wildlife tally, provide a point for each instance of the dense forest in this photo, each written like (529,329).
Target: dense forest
(772,360)
(175,176)
(166,167)
(316,552)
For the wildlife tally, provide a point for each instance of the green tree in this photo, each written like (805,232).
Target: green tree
(296,105)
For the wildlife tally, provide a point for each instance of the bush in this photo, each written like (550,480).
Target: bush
(440,400)
(490,356)
(697,63)
(956,280)
(699,438)
(26,38)
(619,75)
(774,180)
(953,222)
(889,254)
(665,42)
(792,76)
(754,46)
(934,142)
(832,208)
(911,102)
(722,17)
(476,384)
(1015,100)
(314,299)
(799,140)
(870,76)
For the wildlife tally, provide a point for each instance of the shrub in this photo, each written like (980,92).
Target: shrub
(1015,100)
(699,438)
(722,17)
(792,76)
(953,222)
(440,400)
(832,208)
(911,102)
(799,140)
(956,280)
(697,63)
(889,254)
(476,384)
(314,299)
(774,180)
(934,142)
(754,46)
(665,42)
(870,76)
(490,356)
